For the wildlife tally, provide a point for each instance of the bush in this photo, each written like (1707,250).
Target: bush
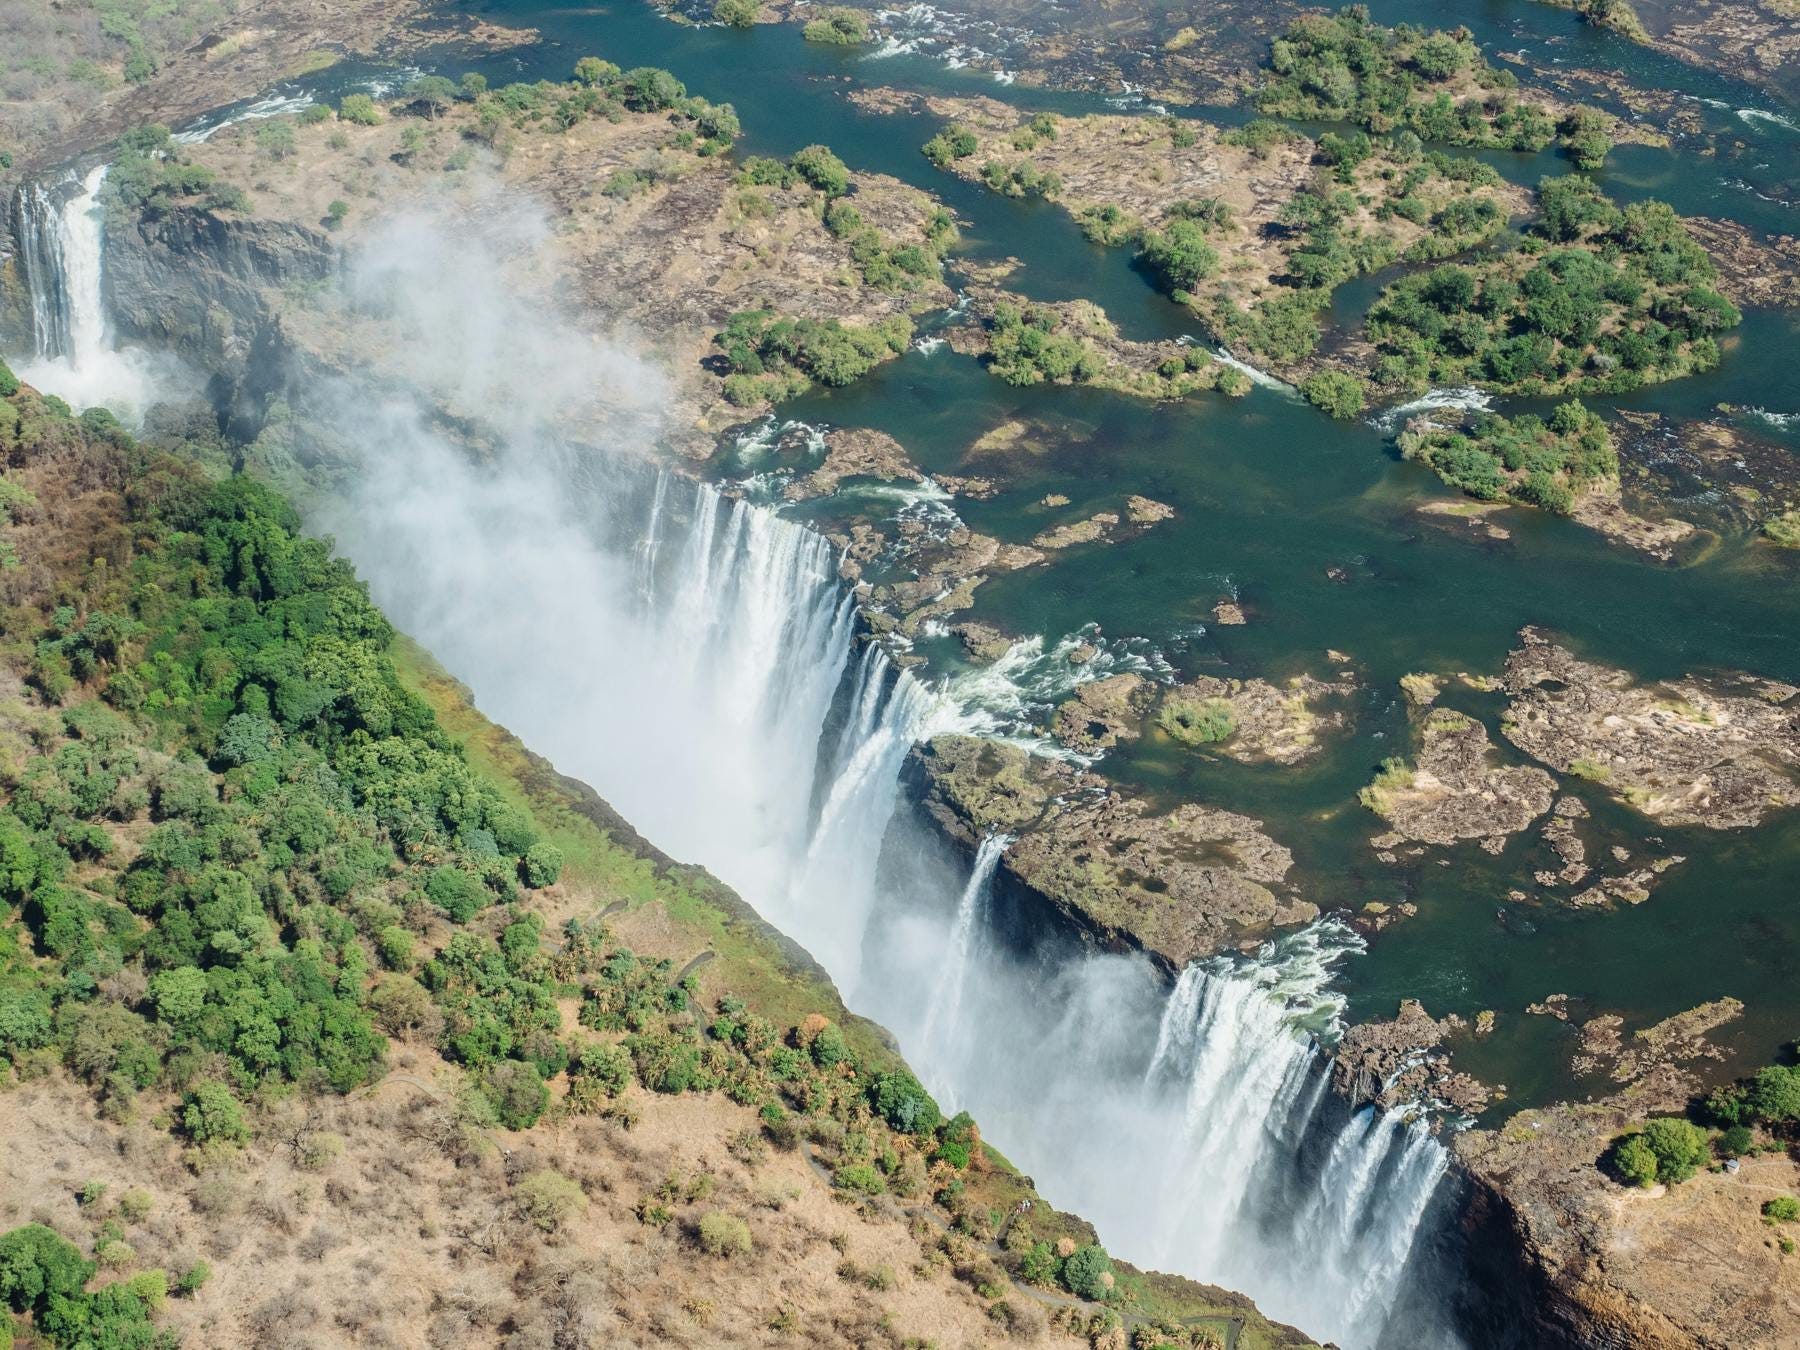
(360,109)
(1179,255)
(1668,1149)
(542,865)
(736,13)
(547,1198)
(460,894)
(1775,1094)
(838,27)
(1782,1209)
(1197,721)
(859,1178)
(517,1093)
(1088,1273)
(9,382)
(212,1115)
(899,1099)
(824,170)
(724,1235)
(1336,393)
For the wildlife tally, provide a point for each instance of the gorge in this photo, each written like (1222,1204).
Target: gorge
(719,662)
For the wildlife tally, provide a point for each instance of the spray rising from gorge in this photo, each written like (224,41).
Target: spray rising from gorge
(697,659)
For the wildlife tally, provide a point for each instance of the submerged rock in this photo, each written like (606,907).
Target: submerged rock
(1717,752)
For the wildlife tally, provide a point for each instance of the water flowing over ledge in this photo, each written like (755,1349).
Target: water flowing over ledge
(696,659)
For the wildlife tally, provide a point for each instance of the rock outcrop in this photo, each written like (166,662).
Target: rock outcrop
(1454,790)
(1179,885)
(1716,752)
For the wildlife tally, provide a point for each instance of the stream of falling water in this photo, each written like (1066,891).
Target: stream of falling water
(695,658)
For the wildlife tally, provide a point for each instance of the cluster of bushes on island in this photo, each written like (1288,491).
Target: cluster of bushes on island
(1523,459)
(769,357)
(1596,298)
(1344,67)
(1036,344)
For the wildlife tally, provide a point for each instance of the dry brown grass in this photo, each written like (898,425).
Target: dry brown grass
(406,1238)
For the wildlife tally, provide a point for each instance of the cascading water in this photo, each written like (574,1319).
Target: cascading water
(695,658)
(36,228)
(73,356)
(736,723)
(946,1002)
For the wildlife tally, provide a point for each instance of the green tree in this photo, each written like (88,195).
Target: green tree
(1336,393)
(1179,255)
(212,1114)
(360,109)
(824,170)
(1088,1273)
(736,13)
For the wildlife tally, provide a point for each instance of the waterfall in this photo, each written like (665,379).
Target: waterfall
(739,725)
(946,1000)
(36,227)
(73,356)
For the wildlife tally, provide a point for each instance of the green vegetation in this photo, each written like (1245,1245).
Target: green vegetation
(1783,530)
(1035,344)
(1179,255)
(150,178)
(736,13)
(360,109)
(724,1235)
(815,164)
(838,27)
(1782,1209)
(949,145)
(770,357)
(1393,775)
(43,1274)
(1196,722)
(882,264)
(1021,178)
(1617,15)
(1522,459)
(1594,299)
(1345,68)
(600,89)
(1336,393)
(1668,1149)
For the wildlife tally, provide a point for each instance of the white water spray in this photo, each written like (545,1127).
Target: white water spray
(80,364)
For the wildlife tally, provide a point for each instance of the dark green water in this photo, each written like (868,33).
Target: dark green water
(1269,496)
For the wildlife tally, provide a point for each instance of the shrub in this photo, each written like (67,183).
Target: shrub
(335,213)
(1197,721)
(1782,1209)
(192,1279)
(517,1093)
(724,1235)
(135,1205)
(212,1115)
(1668,1149)
(460,894)
(1179,255)
(542,865)
(547,1198)
(1088,1273)
(360,109)
(824,170)
(1775,1094)
(860,1178)
(736,13)
(9,382)
(1336,393)
(1735,1142)
(901,1100)
(838,27)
